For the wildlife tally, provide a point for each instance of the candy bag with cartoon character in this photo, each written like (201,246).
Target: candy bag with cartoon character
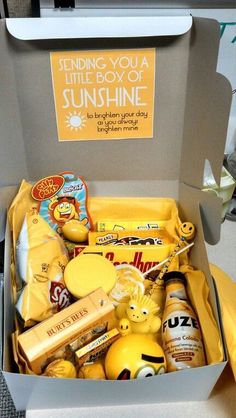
(62,198)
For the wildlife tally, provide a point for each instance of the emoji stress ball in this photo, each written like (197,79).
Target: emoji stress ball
(134,356)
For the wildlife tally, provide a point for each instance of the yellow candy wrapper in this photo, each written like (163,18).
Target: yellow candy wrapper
(92,371)
(142,257)
(61,368)
(123,237)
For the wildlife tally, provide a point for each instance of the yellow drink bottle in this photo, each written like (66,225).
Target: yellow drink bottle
(181,333)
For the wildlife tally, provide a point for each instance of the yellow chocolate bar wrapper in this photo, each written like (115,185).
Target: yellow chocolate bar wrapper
(142,257)
(134,209)
(120,225)
(123,237)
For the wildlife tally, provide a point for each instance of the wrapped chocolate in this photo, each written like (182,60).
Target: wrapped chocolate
(92,371)
(61,368)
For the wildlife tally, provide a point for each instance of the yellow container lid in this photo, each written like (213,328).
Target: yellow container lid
(86,273)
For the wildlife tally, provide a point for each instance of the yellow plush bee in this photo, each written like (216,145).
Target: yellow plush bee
(138,315)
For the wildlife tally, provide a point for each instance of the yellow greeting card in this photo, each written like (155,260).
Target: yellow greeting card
(106,94)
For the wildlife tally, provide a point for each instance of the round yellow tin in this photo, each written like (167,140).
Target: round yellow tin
(87,272)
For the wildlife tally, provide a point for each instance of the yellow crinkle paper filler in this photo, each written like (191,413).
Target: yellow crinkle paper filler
(198,291)
(227,294)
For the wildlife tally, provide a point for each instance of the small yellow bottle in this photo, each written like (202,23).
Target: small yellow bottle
(181,334)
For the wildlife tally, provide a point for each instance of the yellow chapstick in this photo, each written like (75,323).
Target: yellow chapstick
(86,273)
(75,231)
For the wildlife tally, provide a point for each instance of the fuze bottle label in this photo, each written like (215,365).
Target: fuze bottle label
(182,341)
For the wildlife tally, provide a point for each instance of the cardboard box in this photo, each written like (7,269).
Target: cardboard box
(192,104)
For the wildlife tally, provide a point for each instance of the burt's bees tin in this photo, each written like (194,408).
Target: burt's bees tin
(42,343)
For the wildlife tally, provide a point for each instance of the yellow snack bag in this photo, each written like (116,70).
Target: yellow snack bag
(40,252)
(39,301)
(41,259)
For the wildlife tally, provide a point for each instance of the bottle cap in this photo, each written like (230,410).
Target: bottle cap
(173,276)
(87,272)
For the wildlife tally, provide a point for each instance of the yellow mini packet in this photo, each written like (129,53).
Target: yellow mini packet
(95,349)
(121,225)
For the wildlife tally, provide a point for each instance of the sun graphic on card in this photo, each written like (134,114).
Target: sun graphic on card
(75,121)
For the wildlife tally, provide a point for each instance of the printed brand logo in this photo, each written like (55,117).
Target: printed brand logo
(128,240)
(136,262)
(59,295)
(180,321)
(106,239)
(47,187)
(67,322)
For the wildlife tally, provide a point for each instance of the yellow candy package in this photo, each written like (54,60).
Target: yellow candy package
(41,258)
(61,198)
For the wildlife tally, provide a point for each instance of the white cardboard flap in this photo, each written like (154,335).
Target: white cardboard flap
(98,27)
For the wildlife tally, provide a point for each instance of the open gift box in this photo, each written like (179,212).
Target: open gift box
(190,117)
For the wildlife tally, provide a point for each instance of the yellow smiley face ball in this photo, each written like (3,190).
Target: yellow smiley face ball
(134,356)
(187,230)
